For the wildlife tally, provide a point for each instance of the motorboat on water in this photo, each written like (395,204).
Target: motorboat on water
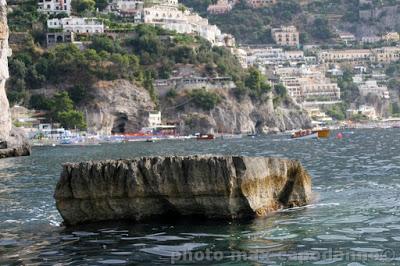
(322,132)
(305,134)
(205,137)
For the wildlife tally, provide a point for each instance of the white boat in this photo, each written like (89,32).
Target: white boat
(306,136)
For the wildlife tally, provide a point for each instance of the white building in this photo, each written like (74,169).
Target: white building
(126,8)
(347,37)
(53,7)
(274,56)
(371,39)
(76,25)
(371,86)
(154,119)
(172,18)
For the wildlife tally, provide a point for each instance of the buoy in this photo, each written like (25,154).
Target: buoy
(339,135)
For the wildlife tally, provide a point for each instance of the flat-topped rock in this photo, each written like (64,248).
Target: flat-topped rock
(211,187)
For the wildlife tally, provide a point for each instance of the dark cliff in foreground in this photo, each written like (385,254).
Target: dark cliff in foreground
(12,142)
(213,187)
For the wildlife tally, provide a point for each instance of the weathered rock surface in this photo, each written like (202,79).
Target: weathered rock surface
(117,106)
(231,115)
(12,141)
(212,187)
(5,117)
(16,145)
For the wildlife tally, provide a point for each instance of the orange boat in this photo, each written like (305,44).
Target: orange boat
(322,133)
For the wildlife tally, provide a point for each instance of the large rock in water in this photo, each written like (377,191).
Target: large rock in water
(212,187)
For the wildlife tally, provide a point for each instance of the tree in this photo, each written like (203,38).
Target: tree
(148,85)
(320,29)
(204,99)
(103,43)
(256,82)
(101,4)
(83,6)
(72,119)
(79,94)
(280,90)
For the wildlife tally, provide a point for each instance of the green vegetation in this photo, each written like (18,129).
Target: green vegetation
(395,109)
(152,54)
(256,83)
(249,25)
(349,90)
(337,111)
(320,29)
(83,7)
(204,99)
(60,109)
(24,16)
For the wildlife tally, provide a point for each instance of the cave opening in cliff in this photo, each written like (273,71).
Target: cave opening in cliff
(120,122)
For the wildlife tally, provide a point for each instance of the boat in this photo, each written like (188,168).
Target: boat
(305,134)
(205,137)
(231,136)
(152,140)
(322,132)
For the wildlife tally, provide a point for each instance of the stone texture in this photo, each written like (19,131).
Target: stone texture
(12,141)
(231,115)
(117,106)
(16,145)
(211,187)
(5,117)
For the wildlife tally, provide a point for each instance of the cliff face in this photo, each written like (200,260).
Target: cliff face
(246,115)
(117,106)
(12,142)
(5,118)
(213,187)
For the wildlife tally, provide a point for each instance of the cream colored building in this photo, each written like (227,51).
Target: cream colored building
(382,55)
(286,36)
(391,37)
(307,84)
(386,54)
(372,87)
(344,55)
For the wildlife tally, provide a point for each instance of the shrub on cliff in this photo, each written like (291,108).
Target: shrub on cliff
(256,82)
(204,99)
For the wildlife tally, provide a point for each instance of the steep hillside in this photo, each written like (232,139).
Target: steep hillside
(318,20)
(108,87)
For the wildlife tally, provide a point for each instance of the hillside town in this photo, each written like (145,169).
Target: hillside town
(312,74)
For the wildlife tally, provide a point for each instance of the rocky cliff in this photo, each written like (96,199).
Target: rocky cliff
(233,115)
(117,106)
(212,187)
(5,118)
(12,142)
(122,106)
